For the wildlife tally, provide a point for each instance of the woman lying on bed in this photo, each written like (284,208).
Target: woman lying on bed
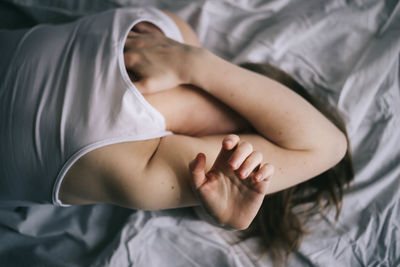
(239,136)
(281,141)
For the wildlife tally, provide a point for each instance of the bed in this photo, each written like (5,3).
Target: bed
(346,52)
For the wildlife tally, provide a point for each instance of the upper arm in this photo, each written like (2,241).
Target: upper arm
(166,178)
(155,175)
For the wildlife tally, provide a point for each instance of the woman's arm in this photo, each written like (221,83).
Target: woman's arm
(275,111)
(191,111)
(298,141)
(281,116)
(215,117)
(295,138)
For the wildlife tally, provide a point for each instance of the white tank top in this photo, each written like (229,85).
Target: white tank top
(64,91)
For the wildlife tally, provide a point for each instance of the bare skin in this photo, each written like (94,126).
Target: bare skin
(179,105)
(182,170)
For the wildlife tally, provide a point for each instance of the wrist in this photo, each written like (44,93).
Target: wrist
(204,216)
(198,59)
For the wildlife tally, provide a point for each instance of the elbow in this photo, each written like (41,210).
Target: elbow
(337,148)
(342,145)
(331,150)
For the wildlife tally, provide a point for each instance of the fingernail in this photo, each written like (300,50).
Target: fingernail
(259,177)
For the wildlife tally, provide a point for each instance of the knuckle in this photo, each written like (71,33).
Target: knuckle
(131,57)
(242,172)
(136,57)
(137,42)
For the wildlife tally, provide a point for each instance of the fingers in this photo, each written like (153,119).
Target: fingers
(132,34)
(250,164)
(230,141)
(262,185)
(146,27)
(242,151)
(131,59)
(264,173)
(246,161)
(197,169)
(136,41)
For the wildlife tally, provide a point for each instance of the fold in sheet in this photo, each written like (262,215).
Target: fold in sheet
(346,52)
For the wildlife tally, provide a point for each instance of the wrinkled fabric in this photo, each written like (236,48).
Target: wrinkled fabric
(346,52)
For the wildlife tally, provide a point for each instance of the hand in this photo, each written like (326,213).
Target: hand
(155,62)
(229,191)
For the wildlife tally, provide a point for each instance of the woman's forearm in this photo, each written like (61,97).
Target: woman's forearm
(181,105)
(275,111)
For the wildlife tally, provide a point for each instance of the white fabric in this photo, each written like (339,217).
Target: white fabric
(65,93)
(344,51)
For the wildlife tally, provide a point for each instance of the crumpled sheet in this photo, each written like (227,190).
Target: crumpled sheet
(346,52)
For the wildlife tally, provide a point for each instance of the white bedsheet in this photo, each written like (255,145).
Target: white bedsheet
(344,51)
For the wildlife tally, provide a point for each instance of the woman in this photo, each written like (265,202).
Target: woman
(281,140)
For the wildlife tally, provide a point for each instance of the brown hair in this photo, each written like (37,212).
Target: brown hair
(282,218)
